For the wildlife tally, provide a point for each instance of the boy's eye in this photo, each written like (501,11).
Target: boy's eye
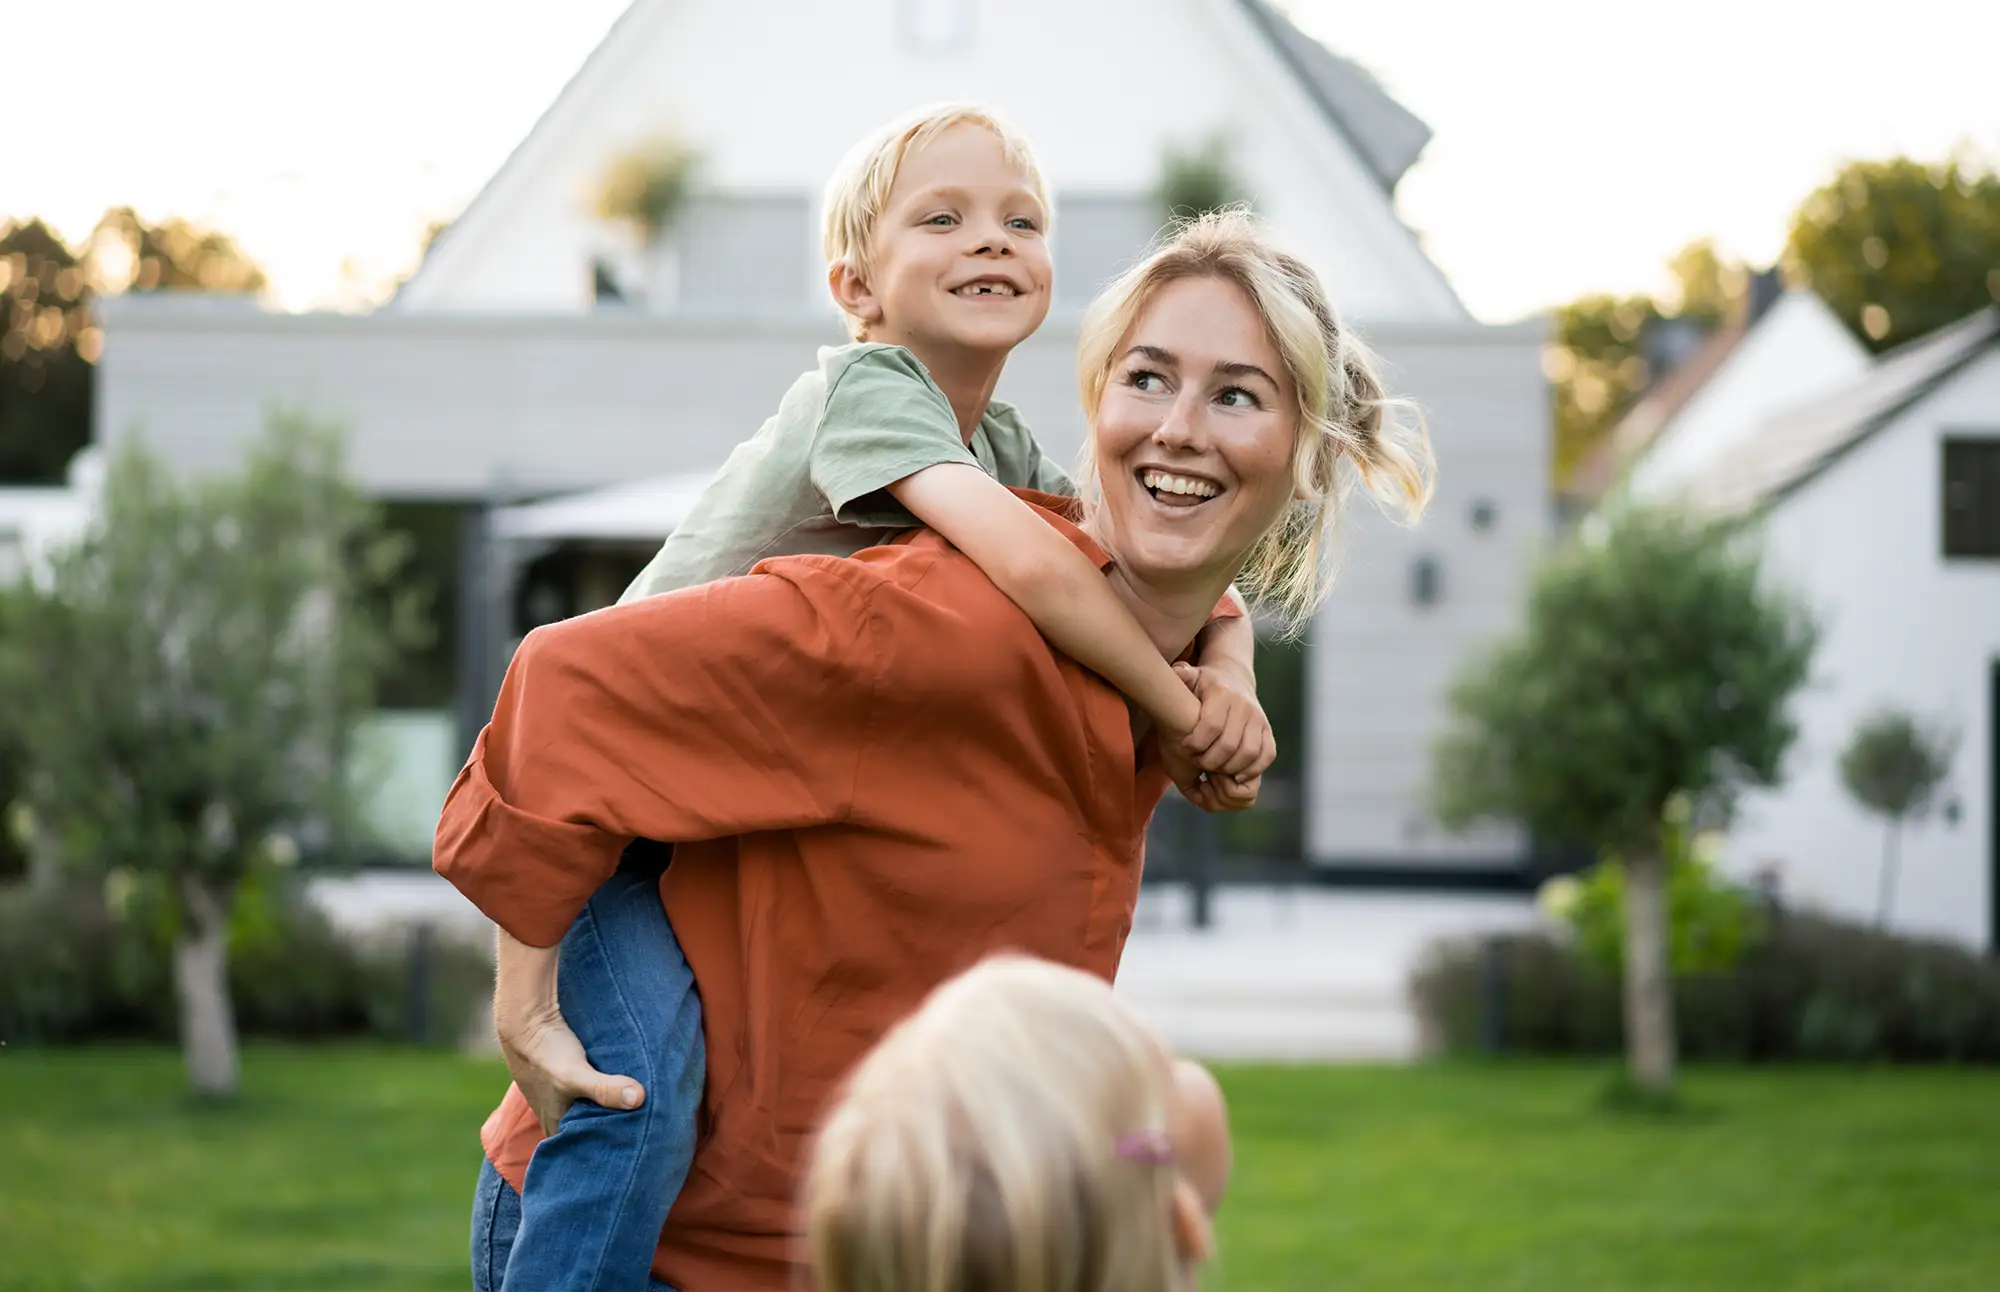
(1023,222)
(942,220)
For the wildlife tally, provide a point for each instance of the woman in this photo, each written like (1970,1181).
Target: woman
(873,770)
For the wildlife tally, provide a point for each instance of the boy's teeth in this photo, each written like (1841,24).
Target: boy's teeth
(1178,484)
(986,289)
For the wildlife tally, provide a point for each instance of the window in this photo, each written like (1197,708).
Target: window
(1972,497)
(745,253)
(935,26)
(1484,515)
(1097,237)
(1426,581)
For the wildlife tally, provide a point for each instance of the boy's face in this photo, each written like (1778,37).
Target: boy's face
(961,263)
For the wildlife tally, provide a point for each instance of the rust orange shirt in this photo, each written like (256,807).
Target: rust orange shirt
(874,771)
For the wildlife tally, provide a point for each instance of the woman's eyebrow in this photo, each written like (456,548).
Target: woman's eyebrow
(1244,370)
(1164,358)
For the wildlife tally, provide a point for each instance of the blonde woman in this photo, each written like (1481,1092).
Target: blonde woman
(874,771)
(1021,1132)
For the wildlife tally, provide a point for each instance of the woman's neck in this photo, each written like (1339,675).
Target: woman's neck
(1170,616)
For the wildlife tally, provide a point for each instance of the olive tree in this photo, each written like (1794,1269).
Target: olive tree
(184,679)
(1655,661)
(1894,766)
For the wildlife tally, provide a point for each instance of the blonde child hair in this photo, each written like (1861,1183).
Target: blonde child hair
(987,1144)
(860,186)
(1348,426)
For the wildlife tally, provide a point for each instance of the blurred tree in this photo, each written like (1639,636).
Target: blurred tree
(1597,364)
(184,683)
(49,340)
(127,254)
(1654,665)
(1900,248)
(47,346)
(1894,766)
(1196,180)
(645,187)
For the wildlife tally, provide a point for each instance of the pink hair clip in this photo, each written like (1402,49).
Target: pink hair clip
(1147,1147)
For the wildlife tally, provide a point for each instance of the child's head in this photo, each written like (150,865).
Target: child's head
(936,234)
(1348,427)
(1021,1132)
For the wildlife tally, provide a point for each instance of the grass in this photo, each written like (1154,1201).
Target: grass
(351,1168)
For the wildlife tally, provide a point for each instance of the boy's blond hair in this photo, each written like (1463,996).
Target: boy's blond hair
(859,189)
(977,1146)
(1349,427)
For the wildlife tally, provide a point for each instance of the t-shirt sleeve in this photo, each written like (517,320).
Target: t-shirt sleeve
(1050,478)
(730,708)
(883,420)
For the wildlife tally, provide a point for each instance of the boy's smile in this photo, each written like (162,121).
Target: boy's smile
(960,256)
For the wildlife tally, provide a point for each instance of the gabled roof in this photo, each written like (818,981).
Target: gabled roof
(1791,449)
(1606,464)
(1387,136)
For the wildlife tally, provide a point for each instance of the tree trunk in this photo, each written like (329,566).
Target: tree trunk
(201,981)
(1649,1002)
(1887,895)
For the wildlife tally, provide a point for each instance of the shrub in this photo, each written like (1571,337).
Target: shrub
(84,964)
(1813,989)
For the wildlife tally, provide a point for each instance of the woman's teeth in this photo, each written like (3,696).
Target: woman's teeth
(1161,482)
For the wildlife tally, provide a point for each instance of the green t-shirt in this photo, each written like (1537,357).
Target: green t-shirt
(813,478)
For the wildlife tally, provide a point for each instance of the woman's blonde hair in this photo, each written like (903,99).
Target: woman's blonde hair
(978,1147)
(859,189)
(1348,426)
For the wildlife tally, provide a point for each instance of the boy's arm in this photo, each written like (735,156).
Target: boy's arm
(1055,585)
(1232,736)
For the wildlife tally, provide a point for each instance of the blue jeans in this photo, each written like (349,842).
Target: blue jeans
(599,1189)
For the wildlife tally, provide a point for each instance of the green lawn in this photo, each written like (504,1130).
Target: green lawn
(352,1168)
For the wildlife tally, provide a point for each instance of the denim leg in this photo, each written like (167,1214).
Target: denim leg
(496,1215)
(599,1189)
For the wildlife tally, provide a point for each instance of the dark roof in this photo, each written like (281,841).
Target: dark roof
(1792,448)
(1386,135)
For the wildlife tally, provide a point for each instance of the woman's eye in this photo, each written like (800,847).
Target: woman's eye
(1146,381)
(1237,397)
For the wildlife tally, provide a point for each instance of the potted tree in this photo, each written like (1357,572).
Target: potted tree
(1198,178)
(1893,767)
(644,190)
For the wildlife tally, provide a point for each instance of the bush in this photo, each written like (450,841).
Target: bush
(1813,989)
(76,966)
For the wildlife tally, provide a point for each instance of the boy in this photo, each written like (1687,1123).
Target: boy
(935,238)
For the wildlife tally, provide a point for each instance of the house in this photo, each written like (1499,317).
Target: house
(1878,500)
(536,352)
(1778,347)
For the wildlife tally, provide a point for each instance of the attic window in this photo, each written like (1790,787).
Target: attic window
(1972,497)
(1426,581)
(935,26)
(1484,514)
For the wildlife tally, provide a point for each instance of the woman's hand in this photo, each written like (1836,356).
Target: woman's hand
(542,1053)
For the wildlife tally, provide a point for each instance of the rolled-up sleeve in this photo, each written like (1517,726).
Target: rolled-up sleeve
(731,708)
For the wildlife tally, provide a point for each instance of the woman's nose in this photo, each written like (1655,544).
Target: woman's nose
(1180,428)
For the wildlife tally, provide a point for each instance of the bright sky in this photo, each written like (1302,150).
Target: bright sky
(1578,143)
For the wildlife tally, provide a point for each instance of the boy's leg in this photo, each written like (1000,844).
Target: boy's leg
(496,1215)
(599,1189)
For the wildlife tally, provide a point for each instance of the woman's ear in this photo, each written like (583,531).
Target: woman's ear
(853,295)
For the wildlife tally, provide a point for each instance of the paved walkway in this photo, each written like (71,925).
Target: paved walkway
(1280,974)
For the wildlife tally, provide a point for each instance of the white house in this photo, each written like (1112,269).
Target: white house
(1879,501)
(508,370)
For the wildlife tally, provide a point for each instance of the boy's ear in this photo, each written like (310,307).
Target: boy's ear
(851,294)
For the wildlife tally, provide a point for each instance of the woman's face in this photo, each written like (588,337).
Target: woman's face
(1193,437)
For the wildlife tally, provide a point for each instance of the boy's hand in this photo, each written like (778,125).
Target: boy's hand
(1231,738)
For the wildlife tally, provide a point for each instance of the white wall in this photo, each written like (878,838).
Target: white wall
(1798,350)
(775,94)
(1903,627)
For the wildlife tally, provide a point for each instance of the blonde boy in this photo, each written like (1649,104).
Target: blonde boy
(936,241)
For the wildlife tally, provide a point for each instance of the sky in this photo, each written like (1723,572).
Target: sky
(1577,143)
